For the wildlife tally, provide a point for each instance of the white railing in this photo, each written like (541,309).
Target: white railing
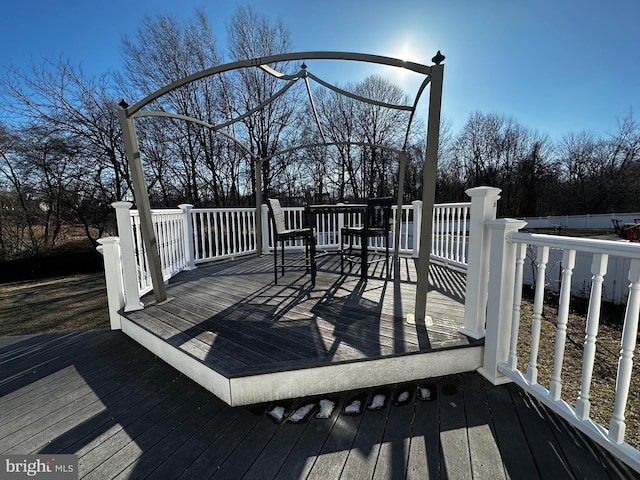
(328,227)
(220,233)
(450,232)
(507,261)
(169,231)
(188,236)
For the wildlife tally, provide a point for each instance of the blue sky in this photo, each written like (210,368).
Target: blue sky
(555,66)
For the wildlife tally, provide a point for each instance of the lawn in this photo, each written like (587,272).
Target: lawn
(77,302)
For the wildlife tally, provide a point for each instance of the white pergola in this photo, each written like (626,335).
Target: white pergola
(433,76)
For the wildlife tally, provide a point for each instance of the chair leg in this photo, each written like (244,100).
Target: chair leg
(307,264)
(341,254)
(386,261)
(282,259)
(313,262)
(275,262)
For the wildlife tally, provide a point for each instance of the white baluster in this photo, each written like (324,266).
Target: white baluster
(218,231)
(521,253)
(456,236)
(598,269)
(231,232)
(207,236)
(625,362)
(465,214)
(236,232)
(568,263)
(223,219)
(435,243)
(538,305)
(140,255)
(244,219)
(448,233)
(203,243)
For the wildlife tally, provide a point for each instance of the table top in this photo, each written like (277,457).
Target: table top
(337,208)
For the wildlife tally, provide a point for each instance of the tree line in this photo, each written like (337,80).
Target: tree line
(62,159)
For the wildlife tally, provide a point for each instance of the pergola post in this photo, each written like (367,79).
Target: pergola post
(428,191)
(259,207)
(144,207)
(396,227)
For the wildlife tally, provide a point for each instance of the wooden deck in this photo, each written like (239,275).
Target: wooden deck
(248,340)
(126,414)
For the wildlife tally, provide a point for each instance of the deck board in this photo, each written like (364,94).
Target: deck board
(142,419)
(233,318)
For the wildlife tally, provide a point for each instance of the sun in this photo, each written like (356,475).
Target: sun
(406,52)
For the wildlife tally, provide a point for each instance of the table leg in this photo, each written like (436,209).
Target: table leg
(364,247)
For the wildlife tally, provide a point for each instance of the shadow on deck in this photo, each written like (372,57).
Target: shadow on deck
(229,327)
(125,414)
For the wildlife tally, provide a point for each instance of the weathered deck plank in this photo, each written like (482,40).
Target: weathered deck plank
(142,419)
(233,318)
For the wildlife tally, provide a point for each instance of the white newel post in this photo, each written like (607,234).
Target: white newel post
(417,220)
(127,253)
(110,249)
(484,201)
(187,226)
(502,267)
(265,229)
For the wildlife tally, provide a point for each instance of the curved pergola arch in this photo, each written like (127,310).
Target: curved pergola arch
(433,76)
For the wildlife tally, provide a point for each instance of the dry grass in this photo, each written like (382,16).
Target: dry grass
(603,381)
(60,304)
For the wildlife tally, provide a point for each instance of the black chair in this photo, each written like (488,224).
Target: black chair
(375,224)
(282,233)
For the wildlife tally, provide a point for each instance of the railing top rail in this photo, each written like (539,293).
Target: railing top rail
(230,209)
(452,205)
(591,245)
(158,211)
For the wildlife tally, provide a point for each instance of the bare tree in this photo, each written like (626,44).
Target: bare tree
(251,36)
(162,52)
(75,117)
(600,174)
(496,150)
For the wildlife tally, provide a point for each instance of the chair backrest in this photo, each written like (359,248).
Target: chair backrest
(379,212)
(277,215)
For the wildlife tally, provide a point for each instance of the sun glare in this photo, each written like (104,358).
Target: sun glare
(407,53)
